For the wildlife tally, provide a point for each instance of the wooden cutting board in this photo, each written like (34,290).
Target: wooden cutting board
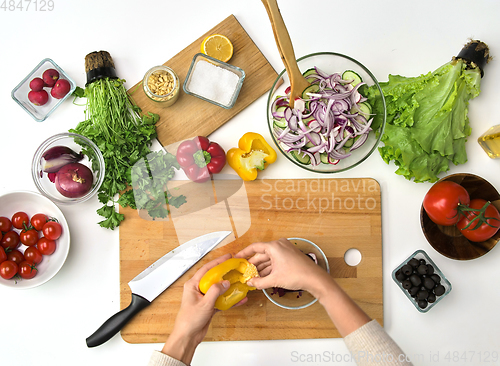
(191,116)
(336,214)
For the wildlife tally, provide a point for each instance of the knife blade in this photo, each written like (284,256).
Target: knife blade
(155,279)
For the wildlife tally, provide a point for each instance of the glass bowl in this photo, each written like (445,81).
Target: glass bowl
(422,255)
(33,203)
(92,158)
(20,92)
(214,81)
(298,299)
(329,63)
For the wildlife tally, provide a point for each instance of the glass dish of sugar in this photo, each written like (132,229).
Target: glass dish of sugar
(214,81)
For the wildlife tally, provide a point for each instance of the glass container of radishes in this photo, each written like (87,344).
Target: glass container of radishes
(43,90)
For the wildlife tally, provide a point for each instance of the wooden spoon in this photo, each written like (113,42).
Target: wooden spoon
(297,81)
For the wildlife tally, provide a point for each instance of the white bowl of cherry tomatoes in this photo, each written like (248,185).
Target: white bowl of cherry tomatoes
(34,239)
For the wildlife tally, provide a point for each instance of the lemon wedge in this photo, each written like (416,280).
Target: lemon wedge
(217,46)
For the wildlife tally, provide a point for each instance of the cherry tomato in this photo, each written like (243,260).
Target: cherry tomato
(442,200)
(5,224)
(484,231)
(46,246)
(38,220)
(10,240)
(29,237)
(27,270)
(52,230)
(32,254)
(19,219)
(15,256)
(3,255)
(8,269)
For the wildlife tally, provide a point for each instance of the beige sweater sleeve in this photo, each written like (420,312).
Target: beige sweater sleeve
(161,359)
(371,345)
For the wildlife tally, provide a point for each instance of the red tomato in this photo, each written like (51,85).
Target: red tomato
(484,231)
(38,220)
(15,256)
(19,219)
(27,270)
(10,240)
(5,224)
(32,254)
(442,200)
(29,237)
(3,255)
(46,246)
(52,230)
(8,269)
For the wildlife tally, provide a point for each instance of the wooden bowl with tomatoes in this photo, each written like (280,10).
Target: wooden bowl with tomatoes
(453,238)
(34,239)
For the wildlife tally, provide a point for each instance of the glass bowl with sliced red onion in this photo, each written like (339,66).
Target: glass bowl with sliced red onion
(332,127)
(68,168)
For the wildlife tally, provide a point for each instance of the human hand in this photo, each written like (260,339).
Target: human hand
(195,314)
(282,264)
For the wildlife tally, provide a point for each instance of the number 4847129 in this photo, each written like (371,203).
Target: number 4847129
(27,5)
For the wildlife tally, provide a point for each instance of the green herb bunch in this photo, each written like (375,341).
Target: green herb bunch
(124,136)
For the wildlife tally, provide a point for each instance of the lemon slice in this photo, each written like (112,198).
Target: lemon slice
(217,46)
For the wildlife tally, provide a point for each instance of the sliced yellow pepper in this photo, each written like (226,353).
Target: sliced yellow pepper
(237,271)
(253,154)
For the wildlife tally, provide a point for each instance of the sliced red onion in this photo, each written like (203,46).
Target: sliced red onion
(58,156)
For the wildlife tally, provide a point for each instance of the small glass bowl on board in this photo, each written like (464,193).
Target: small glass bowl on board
(294,300)
(161,84)
(93,159)
(20,92)
(443,281)
(214,81)
(329,63)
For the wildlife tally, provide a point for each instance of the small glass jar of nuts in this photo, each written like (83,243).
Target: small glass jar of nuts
(161,84)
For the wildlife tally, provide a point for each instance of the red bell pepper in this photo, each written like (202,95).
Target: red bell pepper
(200,158)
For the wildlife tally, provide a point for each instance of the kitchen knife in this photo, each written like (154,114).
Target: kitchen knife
(155,279)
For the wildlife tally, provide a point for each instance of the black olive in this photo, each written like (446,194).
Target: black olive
(415,280)
(406,284)
(429,283)
(422,304)
(422,261)
(406,269)
(431,298)
(439,290)
(414,291)
(430,269)
(436,278)
(400,276)
(422,295)
(414,262)
(422,269)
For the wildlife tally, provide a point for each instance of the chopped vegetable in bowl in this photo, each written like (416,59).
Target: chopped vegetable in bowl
(331,127)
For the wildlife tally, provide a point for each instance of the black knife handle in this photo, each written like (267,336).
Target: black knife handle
(117,321)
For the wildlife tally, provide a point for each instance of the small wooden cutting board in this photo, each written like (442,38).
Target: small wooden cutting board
(336,214)
(191,116)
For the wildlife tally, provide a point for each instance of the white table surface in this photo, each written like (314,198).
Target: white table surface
(48,325)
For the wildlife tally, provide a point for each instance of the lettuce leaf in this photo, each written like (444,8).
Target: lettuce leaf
(427,123)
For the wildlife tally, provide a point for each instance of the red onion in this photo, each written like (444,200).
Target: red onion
(56,157)
(325,121)
(74,180)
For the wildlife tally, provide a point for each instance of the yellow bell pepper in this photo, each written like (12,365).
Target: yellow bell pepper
(253,154)
(237,271)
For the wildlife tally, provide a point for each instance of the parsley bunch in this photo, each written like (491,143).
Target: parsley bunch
(124,137)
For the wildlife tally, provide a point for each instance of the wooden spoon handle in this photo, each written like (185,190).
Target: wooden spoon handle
(281,36)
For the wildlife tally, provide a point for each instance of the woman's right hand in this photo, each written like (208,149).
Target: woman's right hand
(282,264)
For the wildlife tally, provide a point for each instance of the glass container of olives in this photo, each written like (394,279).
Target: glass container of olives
(421,281)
